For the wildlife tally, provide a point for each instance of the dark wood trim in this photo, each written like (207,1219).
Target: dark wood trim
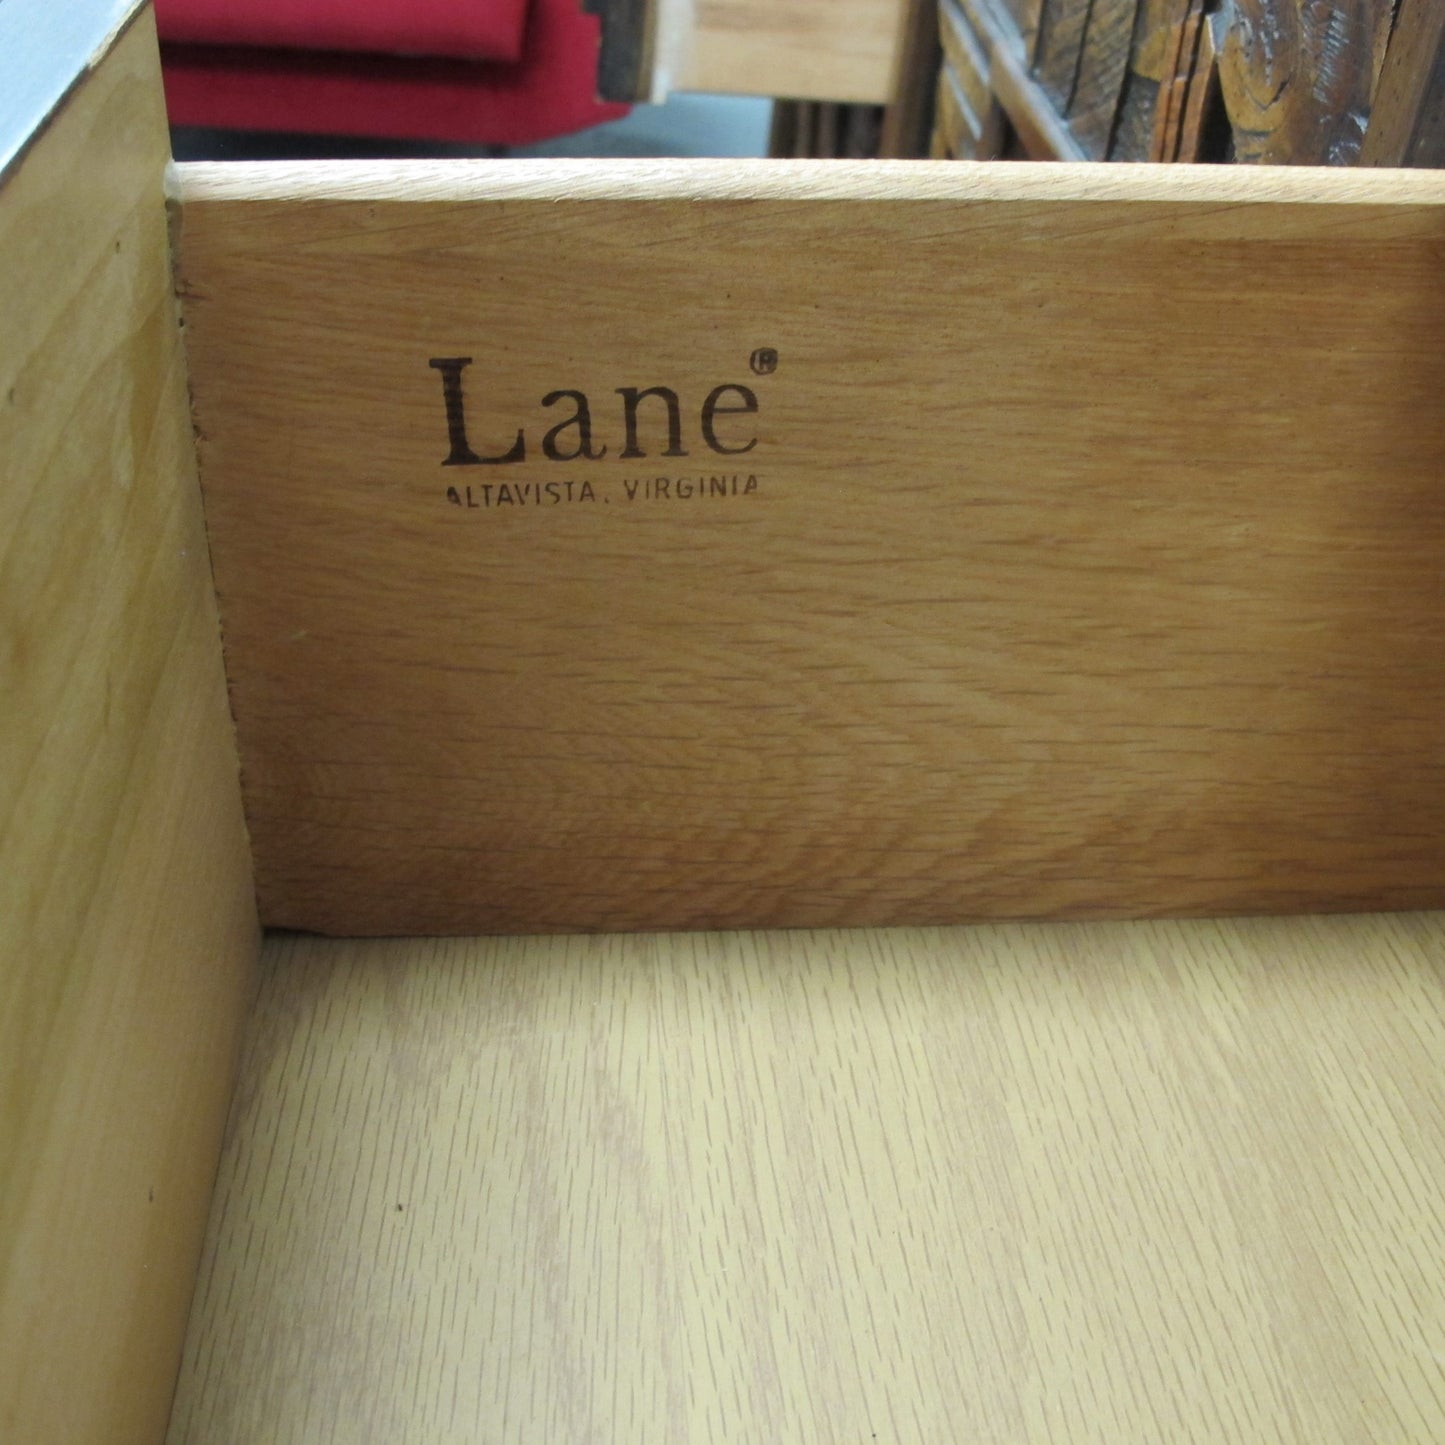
(624,64)
(1041,131)
(908,118)
(1407,116)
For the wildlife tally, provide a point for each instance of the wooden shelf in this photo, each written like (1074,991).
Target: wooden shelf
(1117,1182)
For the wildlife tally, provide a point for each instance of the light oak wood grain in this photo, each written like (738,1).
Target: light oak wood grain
(1093,566)
(841,50)
(127,920)
(1070,1183)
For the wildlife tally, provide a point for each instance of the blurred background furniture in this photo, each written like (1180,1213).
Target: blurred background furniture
(850,78)
(491,73)
(1253,81)
(1277,82)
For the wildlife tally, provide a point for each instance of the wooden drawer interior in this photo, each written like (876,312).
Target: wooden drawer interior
(1084,1182)
(692,1077)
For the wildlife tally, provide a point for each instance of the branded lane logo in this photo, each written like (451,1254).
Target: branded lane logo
(720,422)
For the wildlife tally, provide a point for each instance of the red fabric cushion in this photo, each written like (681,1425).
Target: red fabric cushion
(461,29)
(551,92)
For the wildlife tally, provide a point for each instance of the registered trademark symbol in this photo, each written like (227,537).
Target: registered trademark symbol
(764,361)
